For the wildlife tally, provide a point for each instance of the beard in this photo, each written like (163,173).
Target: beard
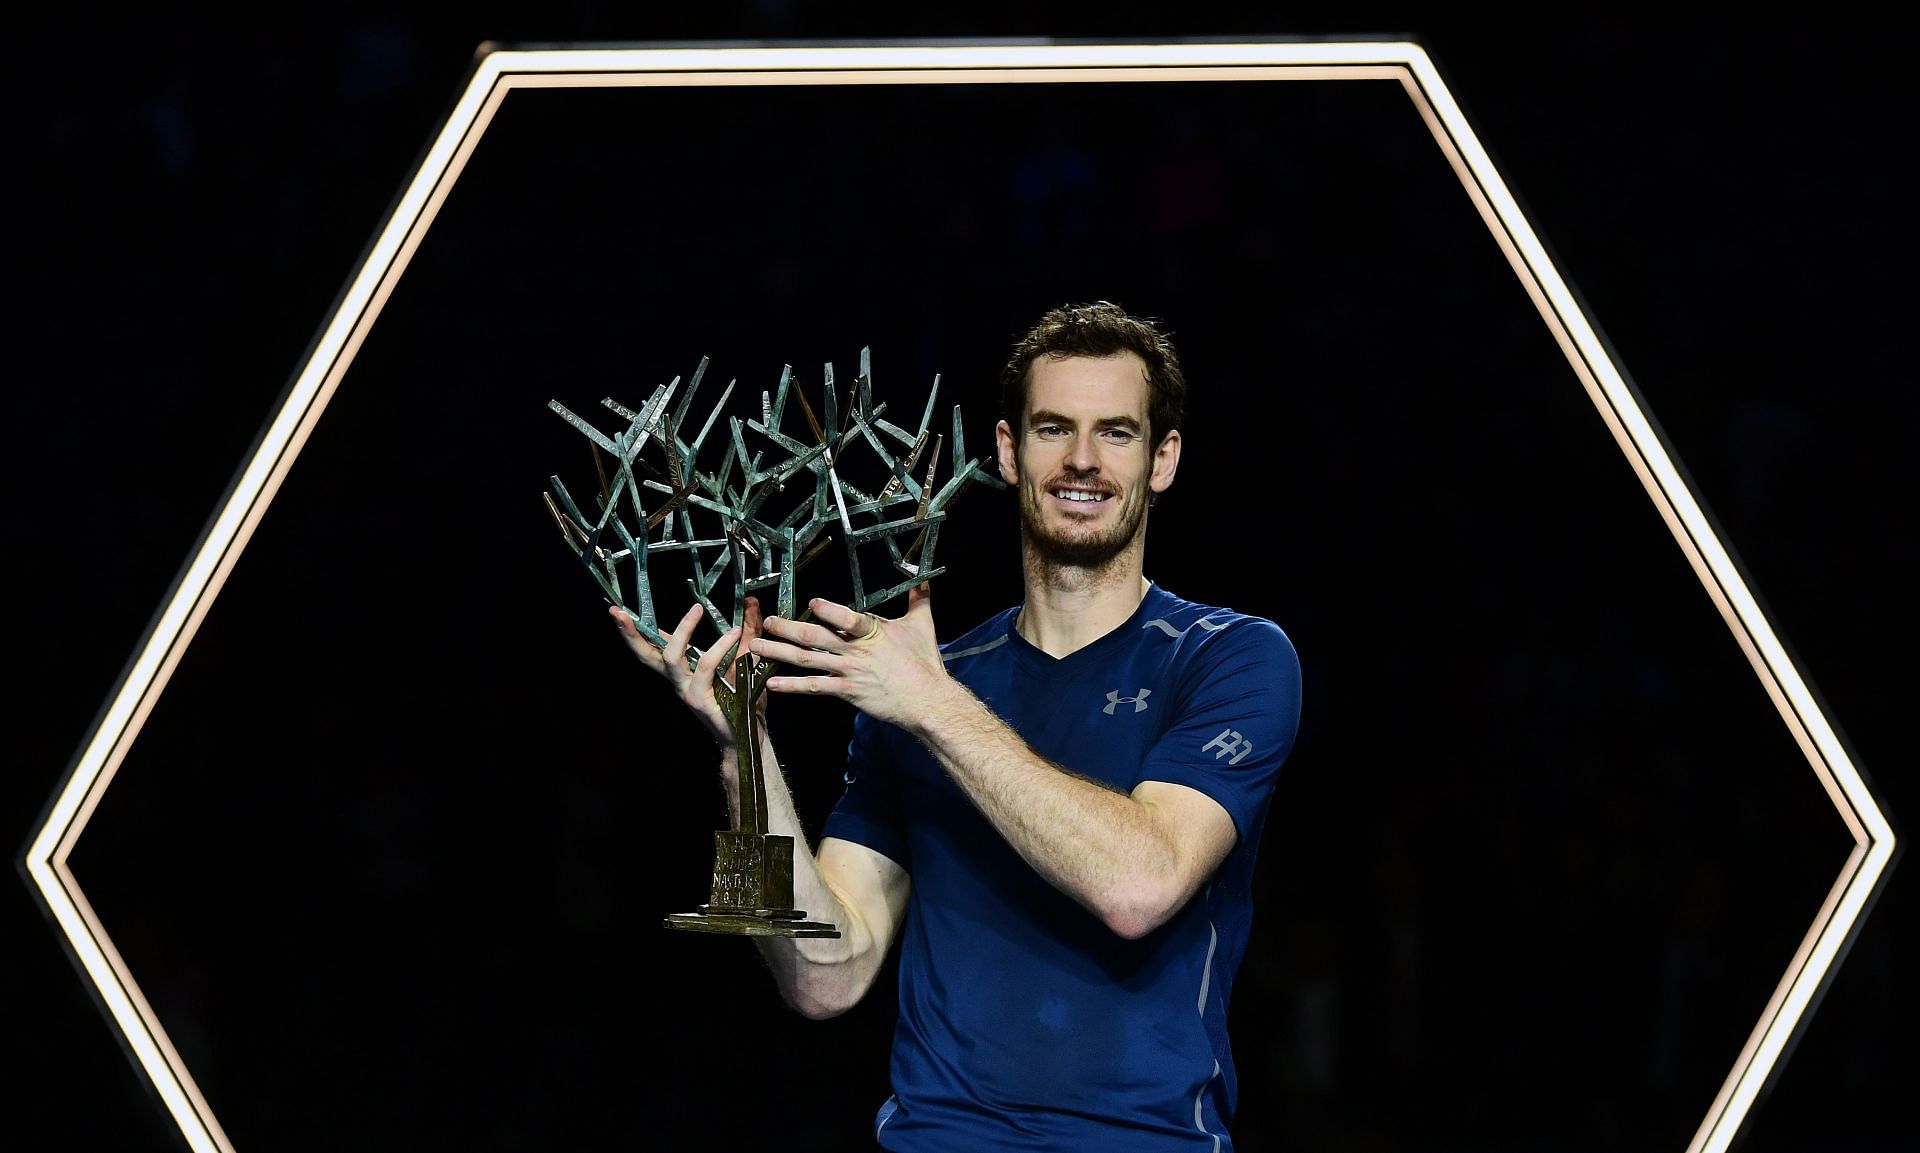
(1079,546)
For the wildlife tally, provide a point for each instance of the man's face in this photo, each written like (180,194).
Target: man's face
(1082,464)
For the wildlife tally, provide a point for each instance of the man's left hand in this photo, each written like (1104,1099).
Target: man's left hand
(889,669)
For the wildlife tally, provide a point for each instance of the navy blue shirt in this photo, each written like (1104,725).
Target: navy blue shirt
(1025,1023)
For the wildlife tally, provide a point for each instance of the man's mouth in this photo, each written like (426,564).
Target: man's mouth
(1085,496)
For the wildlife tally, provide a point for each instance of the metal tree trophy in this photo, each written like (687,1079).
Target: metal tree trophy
(753,519)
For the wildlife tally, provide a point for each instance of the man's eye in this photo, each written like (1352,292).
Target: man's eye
(1050,431)
(1119,436)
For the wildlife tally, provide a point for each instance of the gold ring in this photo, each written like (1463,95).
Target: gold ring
(873,626)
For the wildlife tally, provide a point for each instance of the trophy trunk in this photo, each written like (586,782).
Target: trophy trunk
(752,893)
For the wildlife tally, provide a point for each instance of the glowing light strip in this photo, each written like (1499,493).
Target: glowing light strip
(935,59)
(1874,841)
(498,72)
(93,771)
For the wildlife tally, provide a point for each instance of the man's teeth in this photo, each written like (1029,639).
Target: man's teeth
(1075,495)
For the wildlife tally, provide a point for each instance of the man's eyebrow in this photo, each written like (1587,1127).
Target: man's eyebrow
(1045,416)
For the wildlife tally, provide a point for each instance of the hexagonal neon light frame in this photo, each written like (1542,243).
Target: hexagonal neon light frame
(497,73)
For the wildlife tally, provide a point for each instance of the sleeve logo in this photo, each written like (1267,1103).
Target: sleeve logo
(1231,744)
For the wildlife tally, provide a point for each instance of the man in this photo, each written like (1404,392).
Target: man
(1058,812)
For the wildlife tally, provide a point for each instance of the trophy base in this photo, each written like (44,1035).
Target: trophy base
(760,923)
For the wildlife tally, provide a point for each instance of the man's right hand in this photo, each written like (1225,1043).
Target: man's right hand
(694,687)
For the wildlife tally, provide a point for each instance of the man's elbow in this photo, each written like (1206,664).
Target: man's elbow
(1137,910)
(824,994)
(815,1007)
(1132,926)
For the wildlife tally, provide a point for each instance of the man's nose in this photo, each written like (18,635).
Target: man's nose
(1082,457)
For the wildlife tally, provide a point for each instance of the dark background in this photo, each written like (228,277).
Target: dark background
(1541,853)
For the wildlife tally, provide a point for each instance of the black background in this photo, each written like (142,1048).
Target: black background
(463,957)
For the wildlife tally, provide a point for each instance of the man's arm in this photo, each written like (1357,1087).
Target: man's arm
(861,892)
(1131,859)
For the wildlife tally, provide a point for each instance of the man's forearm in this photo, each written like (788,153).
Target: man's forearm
(1105,849)
(819,976)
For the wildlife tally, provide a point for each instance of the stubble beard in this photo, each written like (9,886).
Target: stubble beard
(1091,553)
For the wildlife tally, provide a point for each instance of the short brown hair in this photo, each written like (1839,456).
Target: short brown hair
(1099,329)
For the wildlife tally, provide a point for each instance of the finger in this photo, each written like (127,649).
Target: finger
(710,660)
(751,616)
(813,686)
(796,655)
(810,635)
(919,615)
(642,645)
(920,600)
(676,650)
(838,616)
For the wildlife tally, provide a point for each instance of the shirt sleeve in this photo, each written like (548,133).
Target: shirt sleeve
(868,812)
(1236,722)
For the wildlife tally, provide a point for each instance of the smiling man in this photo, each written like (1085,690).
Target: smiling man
(1057,813)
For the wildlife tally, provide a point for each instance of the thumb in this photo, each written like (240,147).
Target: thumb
(751,616)
(920,601)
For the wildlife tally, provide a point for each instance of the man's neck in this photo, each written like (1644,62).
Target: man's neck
(1067,609)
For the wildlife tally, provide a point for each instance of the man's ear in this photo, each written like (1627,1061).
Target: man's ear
(1009,461)
(1166,462)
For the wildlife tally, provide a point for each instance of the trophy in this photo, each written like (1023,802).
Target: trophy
(759,518)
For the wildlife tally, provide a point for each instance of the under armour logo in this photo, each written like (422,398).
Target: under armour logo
(1229,742)
(1138,701)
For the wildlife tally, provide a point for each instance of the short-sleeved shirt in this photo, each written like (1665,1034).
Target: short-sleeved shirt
(1026,1023)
